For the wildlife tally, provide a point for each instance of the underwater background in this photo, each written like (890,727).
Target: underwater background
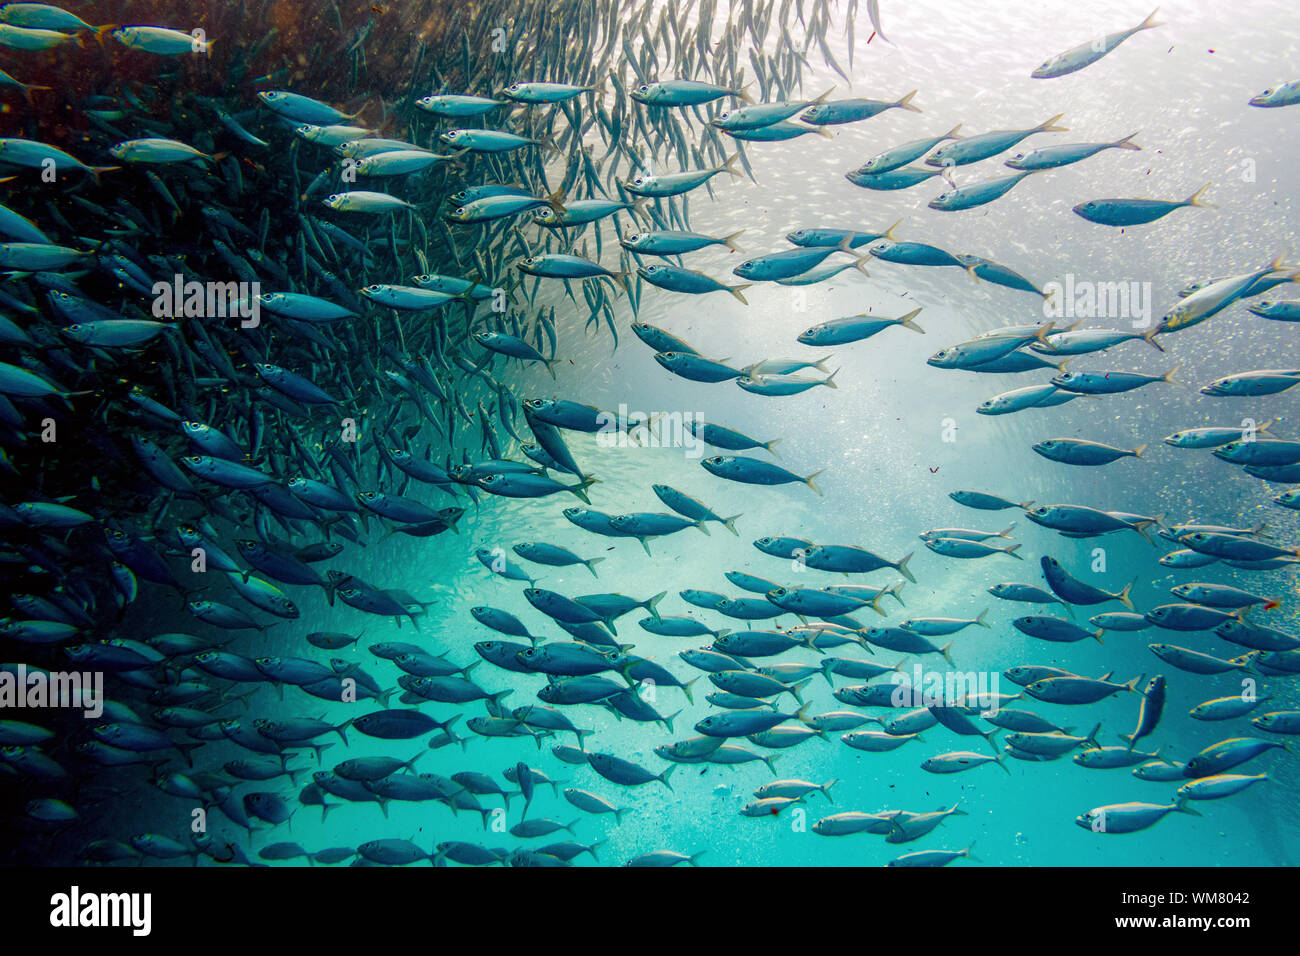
(892,440)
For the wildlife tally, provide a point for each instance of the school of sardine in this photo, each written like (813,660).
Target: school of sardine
(390,272)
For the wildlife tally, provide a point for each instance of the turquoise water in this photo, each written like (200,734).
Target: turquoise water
(892,441)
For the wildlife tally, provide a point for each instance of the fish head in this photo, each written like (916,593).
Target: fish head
(1046,70)
(668,359)
(942,357)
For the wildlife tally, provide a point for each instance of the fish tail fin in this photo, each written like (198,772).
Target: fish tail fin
(737,289)
(1151,22)
(97,171)
(654,603)
(1150,339)
(1006,532)
(1137,452)
(767,446)
(1126,142)
(1169,376)
(796,689)
(861,265)
(1181,806)
(663,777)
(730,524)
(730,241)
(998,760)
(591,561)
(822,99)
(952,133)
(824,132)
(980,619)
(1195,198)
(740,93)
(906,321)
(1049,126)
(889,233)
(901,568)
(1092,735)
(1012,551)
(1123,595)
(830,379)
(27,91)
(811,484)
(729,164)
(906,103)
(946,652)
(580,489)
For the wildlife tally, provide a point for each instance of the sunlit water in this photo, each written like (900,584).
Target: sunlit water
(880,438)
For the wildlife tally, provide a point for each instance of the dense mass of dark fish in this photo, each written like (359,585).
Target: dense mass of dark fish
(232,462)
